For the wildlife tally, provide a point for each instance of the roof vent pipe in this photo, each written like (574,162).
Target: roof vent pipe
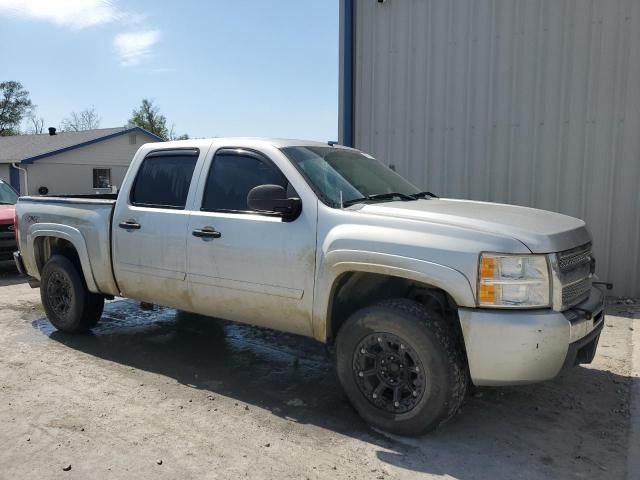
(52,131)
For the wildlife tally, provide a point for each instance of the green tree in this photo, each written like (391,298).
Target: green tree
(14,105)
(148,116)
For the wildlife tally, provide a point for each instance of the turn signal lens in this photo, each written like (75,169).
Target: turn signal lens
(487,294)
(487,267)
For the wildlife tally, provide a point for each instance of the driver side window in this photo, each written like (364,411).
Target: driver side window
(231,178)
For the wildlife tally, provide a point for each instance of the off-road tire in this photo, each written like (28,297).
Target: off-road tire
(69,305)
(437,347)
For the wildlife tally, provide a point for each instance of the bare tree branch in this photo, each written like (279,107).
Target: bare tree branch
(174,136)
(35,124)
(86,119)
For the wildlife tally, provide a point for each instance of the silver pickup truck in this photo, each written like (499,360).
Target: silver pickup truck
(420,295)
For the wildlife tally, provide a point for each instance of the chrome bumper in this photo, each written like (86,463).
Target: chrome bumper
(528,346)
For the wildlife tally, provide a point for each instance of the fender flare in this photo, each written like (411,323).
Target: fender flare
(339,262)
(68,233)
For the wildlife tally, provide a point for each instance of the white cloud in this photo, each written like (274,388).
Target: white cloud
(68,13)
(133,48)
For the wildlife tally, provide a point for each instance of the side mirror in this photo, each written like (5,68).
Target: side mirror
(273,199)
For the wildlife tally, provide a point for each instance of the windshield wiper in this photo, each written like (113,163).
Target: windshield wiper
(424,195)
(6,203)
(380,196)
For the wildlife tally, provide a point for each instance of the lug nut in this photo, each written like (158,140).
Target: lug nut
(415,394)
(362,350)
(401,347)
(397,404)
(375,395)
(360,374)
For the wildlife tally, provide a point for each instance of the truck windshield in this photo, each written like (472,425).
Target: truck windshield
(343,177)
(8,196)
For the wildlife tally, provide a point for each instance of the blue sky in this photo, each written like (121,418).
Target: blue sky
(215,68)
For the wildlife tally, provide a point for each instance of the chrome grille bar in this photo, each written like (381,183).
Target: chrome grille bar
(572,276)
(571,259)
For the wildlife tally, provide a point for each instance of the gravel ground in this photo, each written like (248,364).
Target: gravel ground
(164,395)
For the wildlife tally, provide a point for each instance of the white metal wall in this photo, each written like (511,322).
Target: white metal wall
(530,102)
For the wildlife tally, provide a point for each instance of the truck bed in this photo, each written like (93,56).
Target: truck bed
(83,220)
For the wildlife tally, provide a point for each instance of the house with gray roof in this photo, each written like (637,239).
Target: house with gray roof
(72,163)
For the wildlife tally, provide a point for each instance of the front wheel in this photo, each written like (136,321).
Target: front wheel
(402,368)
(69,305)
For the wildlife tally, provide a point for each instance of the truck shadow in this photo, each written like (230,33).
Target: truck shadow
(9,274)
(574,427)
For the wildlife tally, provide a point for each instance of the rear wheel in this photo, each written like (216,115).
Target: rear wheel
(69,305)
(401,366)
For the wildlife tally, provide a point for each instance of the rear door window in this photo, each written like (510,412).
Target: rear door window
(163,179)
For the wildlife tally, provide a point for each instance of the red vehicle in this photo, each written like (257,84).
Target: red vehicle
(8,200)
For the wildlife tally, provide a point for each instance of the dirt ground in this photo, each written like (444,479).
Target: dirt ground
(162,395)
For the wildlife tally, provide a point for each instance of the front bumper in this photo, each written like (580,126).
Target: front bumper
(7,245)
(528,346)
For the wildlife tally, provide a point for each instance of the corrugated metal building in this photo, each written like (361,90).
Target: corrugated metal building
(529,102)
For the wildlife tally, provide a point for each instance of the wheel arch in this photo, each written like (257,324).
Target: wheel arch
(354,290)
(64,240)
(349,285)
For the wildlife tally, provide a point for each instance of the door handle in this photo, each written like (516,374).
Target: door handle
(206,232)
(129,225)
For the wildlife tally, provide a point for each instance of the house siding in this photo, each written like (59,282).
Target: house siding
(524,102)
(71,172)
(5,172)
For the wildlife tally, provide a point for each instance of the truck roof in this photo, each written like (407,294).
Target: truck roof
(241,142)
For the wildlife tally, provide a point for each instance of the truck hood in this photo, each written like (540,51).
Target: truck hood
(540,230)
(7,213)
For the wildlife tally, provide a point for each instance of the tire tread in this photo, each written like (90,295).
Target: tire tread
(436,338)
(451,344)
(91,303)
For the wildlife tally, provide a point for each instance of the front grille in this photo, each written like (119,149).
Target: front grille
(576,292)
(7,245)
(7,241)
(575,272)
(571,259)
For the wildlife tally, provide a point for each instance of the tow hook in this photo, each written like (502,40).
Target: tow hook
(608,285)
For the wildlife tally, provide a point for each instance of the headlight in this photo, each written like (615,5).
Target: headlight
(516,281)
